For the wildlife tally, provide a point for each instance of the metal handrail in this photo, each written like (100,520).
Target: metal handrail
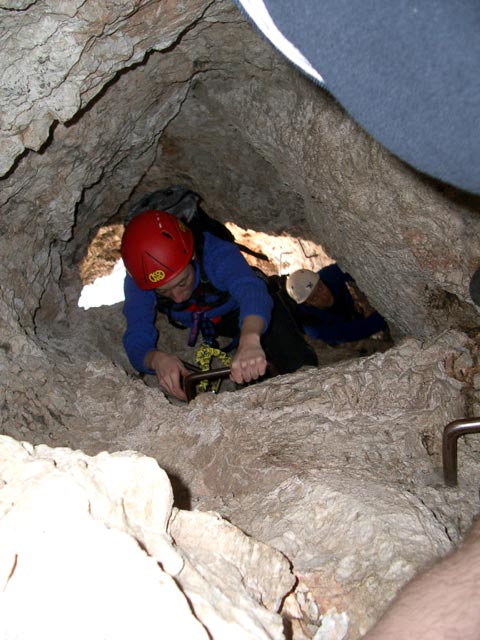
(190,382)
(449,446)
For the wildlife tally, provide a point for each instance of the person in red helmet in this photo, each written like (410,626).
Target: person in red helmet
(156,247)
(203,283)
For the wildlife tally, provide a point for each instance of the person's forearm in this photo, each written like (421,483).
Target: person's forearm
(342,332)
(252,329)
(249,361)
(140,335)
(136,348)
(148,360)
(441,603)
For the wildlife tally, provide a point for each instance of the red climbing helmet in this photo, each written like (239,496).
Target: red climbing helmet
(156,247)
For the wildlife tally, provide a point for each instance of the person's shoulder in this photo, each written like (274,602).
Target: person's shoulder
(332,270)
(211,242)
(133,290)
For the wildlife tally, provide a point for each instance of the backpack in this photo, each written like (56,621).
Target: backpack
(184,204)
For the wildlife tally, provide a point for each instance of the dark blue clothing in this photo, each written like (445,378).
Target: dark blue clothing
(226,269)
(406,71)
(341,322)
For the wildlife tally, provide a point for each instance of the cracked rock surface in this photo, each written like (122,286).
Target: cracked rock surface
(293,508)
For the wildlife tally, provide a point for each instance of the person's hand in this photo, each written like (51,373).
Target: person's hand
(169,370)
(360,302)
(249,362)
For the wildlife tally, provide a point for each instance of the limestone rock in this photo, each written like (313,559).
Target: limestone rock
(76,529)
(194,95)
(352,542)
(76,573)
(62,54)
(338,467)
(225,570)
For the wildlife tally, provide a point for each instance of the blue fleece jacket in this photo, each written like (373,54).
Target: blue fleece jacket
(341,322)
(225,268)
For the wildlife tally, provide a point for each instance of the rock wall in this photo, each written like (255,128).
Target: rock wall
(137,564)
(339,468)
(150,93)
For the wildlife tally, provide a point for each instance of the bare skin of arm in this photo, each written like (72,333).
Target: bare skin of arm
(250,361)
(169,370)
(440,604)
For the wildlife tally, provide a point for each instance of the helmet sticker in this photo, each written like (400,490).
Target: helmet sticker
(156,276)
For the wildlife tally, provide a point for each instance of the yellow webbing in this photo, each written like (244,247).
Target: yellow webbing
(203,357)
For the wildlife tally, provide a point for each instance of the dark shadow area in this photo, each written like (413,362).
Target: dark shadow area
(475,287)
(182,498)
(287,628)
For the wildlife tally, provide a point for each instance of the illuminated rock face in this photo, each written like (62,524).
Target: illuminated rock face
(124,98)
(101,104)
(98,536)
